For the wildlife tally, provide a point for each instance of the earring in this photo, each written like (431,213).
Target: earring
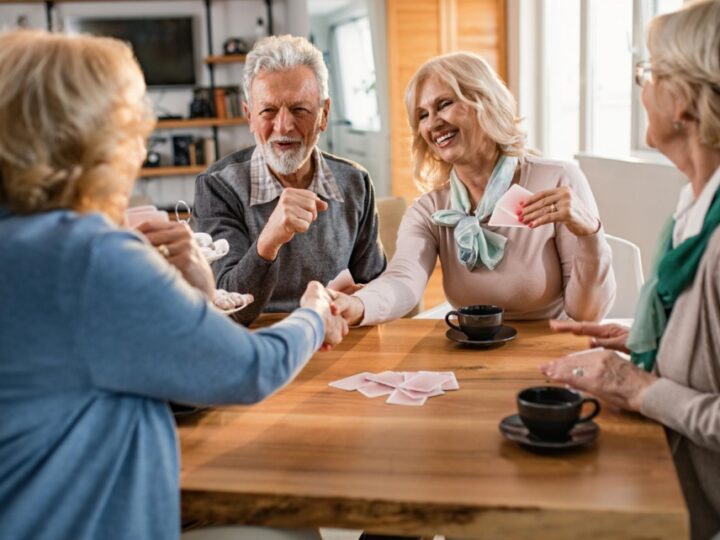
(676,126)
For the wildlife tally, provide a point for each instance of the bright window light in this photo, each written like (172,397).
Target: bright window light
(586,100)
(561,79)
(355,54)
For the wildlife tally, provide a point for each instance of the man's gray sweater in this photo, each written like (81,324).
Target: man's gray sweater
(344,236)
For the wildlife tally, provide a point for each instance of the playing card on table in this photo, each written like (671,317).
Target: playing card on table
(451,383)
(411,388)
(400,398)
(388,378)
(375,389)
(426,381)
(353,382)
(416,395)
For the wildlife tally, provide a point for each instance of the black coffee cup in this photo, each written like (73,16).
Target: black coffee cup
(477,322)
(550,412)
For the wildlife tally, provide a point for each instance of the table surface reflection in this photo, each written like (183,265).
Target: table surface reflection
(315,456)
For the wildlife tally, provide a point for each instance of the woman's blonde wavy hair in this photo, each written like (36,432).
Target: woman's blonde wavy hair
(73,113)
(685,50)
(476,84)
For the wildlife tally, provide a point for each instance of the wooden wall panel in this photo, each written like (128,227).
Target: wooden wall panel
(481,29)
(413,37)
(420,29)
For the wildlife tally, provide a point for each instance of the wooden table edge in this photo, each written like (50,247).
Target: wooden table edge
(204,508)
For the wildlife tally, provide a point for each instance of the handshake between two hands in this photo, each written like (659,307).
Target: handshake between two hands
(335,305)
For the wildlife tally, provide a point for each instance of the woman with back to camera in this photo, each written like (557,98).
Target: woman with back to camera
(97,330)
(674,375)
(467,151)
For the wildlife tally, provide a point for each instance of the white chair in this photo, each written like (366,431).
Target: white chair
(627,266)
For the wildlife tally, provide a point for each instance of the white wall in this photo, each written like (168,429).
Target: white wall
(229,19)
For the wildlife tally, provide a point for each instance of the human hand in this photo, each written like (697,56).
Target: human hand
(604,374)
(295,212)
(609,336)
(559,205)
(352,289)
(350,308)
(174,241)
(321,300)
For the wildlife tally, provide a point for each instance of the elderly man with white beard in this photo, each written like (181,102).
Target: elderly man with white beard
(290,212)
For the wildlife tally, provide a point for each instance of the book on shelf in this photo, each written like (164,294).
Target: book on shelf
(220,110)
(232,101)
(209,154)
(192,150)
(220,102)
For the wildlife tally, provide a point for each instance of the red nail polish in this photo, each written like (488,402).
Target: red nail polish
(520,218)
(531,224)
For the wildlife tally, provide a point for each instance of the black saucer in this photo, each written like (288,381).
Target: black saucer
(514,430)
(505,334)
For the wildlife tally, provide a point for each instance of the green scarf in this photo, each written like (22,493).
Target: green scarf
(673,271)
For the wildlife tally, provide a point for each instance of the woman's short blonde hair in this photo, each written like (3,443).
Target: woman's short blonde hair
(476,84)
(685,50)
(72,112)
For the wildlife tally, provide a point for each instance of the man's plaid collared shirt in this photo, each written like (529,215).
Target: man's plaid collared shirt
(264,187)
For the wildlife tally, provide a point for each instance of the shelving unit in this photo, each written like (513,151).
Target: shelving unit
(185,123)
(226,59)
(191,170)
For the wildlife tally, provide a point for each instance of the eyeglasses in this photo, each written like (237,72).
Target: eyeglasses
(643,73)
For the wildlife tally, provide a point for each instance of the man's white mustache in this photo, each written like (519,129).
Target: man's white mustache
(284,140)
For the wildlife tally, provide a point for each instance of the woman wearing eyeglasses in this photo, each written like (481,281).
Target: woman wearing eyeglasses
(674,375)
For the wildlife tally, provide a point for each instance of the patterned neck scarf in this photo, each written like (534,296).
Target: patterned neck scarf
(476,245)
(673,272)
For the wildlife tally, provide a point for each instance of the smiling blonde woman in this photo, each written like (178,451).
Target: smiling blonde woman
(468,150)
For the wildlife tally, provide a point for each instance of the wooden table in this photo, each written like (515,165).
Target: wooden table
(315,456)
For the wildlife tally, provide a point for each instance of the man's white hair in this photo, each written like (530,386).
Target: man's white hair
(282,53)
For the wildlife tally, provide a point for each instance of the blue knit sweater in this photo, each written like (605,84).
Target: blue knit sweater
(97,333)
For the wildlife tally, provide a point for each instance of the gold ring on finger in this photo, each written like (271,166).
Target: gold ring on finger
(164,250)
(553,208)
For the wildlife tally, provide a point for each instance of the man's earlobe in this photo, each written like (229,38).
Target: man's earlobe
(325,114)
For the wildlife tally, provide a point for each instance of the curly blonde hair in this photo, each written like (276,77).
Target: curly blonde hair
(476,84)
(685,50)
(73,119)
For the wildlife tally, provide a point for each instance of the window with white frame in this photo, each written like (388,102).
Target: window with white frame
(356,65)
(587,101)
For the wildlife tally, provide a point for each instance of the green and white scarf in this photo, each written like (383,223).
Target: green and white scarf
(673,272)
(476,245)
